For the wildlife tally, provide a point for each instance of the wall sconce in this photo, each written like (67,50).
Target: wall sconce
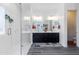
(8,18)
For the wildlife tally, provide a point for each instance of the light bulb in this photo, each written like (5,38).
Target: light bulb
(27,18)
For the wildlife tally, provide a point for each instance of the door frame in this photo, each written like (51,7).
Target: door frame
(75,25)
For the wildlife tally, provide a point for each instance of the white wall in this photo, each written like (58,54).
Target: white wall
(52,9)
(71,6)
(43,10)
(77,23)
(63,31)
(26,37)
(14,12)
(67,6)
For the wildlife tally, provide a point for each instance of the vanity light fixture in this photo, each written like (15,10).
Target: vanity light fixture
(27,18)
(37,18)
(52,17)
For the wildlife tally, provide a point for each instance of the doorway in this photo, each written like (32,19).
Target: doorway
(71,28)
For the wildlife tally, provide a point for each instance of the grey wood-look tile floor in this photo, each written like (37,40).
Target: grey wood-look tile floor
(53,51)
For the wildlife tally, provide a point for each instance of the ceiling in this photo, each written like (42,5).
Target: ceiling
(42,8)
